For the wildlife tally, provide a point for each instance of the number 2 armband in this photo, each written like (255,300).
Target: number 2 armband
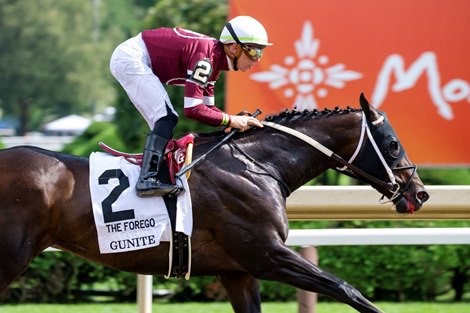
(201,73)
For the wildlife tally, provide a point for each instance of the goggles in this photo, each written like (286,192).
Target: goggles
(253,53)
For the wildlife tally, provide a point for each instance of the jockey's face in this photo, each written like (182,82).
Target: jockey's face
(244,62)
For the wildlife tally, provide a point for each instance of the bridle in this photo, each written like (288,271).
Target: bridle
(354,171)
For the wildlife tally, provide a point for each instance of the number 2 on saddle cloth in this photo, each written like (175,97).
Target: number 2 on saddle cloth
(178,153)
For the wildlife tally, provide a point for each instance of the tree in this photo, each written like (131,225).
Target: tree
(52,61)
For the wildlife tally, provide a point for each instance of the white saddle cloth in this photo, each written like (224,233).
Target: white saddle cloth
(124,221)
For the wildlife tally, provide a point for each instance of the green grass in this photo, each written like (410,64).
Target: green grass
(223,307)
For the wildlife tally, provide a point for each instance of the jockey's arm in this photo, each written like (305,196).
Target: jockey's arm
(213,116)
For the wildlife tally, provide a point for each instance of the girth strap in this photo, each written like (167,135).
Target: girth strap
(180,245)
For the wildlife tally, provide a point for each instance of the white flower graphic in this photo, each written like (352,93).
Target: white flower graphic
(306,76)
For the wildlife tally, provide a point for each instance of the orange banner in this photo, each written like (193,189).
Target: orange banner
(410,58)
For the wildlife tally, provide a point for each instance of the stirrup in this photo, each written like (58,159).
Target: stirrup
(147,188)
(178,190)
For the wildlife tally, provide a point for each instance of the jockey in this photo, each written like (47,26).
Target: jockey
(176,56)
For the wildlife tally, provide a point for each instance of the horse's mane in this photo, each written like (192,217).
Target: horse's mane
(289,115)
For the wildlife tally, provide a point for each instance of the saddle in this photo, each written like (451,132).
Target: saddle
(178,152)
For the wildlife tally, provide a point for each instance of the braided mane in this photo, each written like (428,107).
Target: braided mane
(294,114)
(288,115)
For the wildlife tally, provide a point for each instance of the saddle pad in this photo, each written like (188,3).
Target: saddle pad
(124,221)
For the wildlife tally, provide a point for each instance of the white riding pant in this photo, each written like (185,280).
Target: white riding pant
(130,64)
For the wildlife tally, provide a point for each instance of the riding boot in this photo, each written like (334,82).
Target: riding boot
(149,183)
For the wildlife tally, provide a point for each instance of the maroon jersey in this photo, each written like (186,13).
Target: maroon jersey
(185,58)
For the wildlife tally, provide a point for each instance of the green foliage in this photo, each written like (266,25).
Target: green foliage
(54,56)
(225,307)
(38,72)
(89,141)
(48,278)
(57,277)
(130,125)
(205,288)
(275,291)
(445,176)
(392,273)
(332,178)
(204,16)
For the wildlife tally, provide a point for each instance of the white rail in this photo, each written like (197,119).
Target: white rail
(378,236)
(362,203)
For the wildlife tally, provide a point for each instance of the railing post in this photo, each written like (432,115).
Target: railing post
(144,293)
(307,300)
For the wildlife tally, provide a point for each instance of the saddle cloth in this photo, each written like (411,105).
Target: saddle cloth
(124,221)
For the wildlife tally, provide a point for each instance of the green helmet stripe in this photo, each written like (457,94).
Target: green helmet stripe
(243,39)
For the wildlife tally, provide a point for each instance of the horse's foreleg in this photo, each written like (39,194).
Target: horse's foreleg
(289,267)
(20,242)
(14,258)
(242,290)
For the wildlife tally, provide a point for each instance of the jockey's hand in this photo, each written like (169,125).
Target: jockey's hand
(243,122)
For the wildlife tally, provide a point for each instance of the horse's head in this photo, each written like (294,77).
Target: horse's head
(384,158)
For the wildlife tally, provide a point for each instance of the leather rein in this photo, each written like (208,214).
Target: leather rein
(391,186)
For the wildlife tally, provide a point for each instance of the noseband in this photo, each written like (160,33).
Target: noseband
(352,170)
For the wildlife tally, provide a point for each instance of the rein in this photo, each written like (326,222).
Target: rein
(392,186)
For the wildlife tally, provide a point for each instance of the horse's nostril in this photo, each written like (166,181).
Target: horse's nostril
(422,196)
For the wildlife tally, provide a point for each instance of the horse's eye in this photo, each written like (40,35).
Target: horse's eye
(391,147)
(394,149)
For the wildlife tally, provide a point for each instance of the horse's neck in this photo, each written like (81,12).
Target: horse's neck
(295,161)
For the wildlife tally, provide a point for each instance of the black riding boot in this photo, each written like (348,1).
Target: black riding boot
(149,184)
(150,179)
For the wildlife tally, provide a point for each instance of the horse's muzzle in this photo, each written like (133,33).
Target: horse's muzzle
(409,203)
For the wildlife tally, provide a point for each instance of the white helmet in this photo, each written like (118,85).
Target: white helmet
(246,30)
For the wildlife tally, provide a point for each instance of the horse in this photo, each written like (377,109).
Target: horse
(238,198)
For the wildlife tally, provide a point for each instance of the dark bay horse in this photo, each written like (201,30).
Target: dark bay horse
(238,197)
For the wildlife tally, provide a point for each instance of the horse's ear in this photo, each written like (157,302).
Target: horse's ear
(365,105)
(368,109)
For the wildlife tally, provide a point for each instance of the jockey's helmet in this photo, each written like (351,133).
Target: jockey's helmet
(245,30)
